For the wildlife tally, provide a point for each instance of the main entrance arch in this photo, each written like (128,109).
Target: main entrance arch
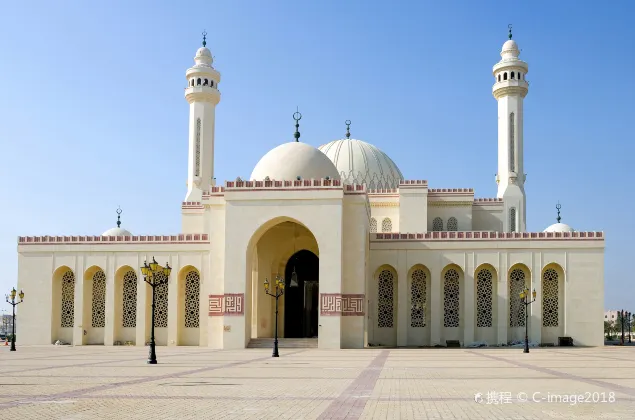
(301,299)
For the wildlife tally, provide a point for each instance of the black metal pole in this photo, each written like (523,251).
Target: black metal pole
(622,318)
(526,350)
(152,359)
(275,336)
(13,328)
(630,330)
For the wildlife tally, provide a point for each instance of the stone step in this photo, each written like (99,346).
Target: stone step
(283,343)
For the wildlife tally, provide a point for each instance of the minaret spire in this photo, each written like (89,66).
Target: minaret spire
(348,129)
(119,211)
(510,31)
(297,117)
(205,37)
(558,207)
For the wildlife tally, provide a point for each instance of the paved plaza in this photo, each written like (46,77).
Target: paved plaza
(62,382)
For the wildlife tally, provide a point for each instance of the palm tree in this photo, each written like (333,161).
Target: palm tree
(609,328)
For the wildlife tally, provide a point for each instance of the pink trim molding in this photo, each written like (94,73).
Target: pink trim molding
(229,304)
(418,182)
(284,184)
(336,304)
(451,190)
(445,236)
(195,238)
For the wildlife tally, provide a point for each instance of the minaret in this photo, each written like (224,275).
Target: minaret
(510,88)
(202,94)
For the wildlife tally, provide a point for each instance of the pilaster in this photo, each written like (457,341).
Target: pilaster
(436,301)
(535,324)
(502,303)
(173,302)
(403,302)
(78,331)
(469,286)
(109,331)
(141,332)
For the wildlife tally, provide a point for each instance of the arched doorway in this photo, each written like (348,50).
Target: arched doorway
(301,300)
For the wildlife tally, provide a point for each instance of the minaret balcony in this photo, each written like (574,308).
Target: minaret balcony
(202,93)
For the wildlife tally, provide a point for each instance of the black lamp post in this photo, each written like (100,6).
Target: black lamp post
(628,322)
(524,297)
(621,314)
(13,303)
(151,275)
(279,291)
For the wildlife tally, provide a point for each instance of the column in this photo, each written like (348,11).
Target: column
(78,331)
(502,304)
(469,321)
(109,331)
(436,305)
(402,302)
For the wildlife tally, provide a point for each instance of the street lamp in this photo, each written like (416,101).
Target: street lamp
(628,320)
(279,291)
(524,297)
(621,315)
(152,275)
(13,303)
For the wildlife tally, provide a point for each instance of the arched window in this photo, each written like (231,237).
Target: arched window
(373,225)
(451,299)
(205,82)
(385,299)
(197,163)
(520,76)
(484,298)
(550,298)
(386,225)
(512,144)
(99,300)
(192,82)
(512,219)
(505,76)
(437,224)
(198,82)
(129,299)
(453,224)
(68,300)
(516,307)
(192,291)
(418,294)
(499,77)
(161,305)
(512,75)
(211,83)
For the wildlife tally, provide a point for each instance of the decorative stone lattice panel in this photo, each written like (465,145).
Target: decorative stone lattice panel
(197,164)
(385,299)
(437,224)
(516,305)
(484,298)
(373,225)
(68,300)
(451,300)
(512,145)
(550,298)
(192,293)
(99,300)
(161,308)
(386,225)
(453,224)
(418,294)
(130,300)
(512,220)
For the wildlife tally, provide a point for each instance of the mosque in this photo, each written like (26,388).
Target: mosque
(365,256)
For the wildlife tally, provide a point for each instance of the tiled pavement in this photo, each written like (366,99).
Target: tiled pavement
(60,382)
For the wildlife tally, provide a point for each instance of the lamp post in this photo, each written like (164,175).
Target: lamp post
(524,297)
(13,303)
(621,314)
(279,291)
(151,275)
(628,320)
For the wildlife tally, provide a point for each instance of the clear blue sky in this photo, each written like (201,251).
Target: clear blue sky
(92,113)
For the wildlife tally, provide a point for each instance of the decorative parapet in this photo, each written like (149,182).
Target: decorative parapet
(414,182)
(354,189)
(192,205)
(451,191)
(195,238)
(302,183)
(479,236)
(389,191)
(487,200)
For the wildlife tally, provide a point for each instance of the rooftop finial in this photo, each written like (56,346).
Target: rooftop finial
(348,129)
(297,117)
(119,216)
(558,207)
(204,37)
(510,31)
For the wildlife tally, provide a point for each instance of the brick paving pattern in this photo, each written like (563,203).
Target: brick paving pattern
(62,382)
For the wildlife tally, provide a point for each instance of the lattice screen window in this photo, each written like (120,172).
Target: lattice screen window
(516,305)
(192,290)
(418,294)
(451,300)
(512,144)
(68,300)
(453,224)
(437,224)
(99,300)
(550,298)
(484,298)
(385,302)
(373,225)
(197,163)
(161,295)
(130,299)
(512,220)
(386,225)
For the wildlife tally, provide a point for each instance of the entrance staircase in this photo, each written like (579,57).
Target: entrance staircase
(283,343)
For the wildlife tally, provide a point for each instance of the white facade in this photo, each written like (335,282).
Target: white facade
(380,260)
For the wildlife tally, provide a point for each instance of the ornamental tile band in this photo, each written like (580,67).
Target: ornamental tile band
(202,238)
(445,236)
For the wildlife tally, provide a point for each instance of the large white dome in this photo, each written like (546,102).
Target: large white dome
(559,227)
(292,160)
(359,162)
